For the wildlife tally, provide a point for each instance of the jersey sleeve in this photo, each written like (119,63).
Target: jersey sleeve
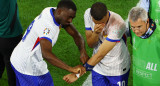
(116,32)
(145,4)
(45,30)
(87,20)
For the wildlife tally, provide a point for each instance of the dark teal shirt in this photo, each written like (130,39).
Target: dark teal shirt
(7,11)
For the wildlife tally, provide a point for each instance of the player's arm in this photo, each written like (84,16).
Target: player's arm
(107,44)
(93,36)
(46,48)
(78,39)
(104,48)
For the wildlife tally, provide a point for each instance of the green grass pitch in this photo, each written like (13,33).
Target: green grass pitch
(65,48)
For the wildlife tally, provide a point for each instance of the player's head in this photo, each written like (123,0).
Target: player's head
(99,13)
(139,21)
(66,10)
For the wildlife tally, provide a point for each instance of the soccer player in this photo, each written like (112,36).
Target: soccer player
(145,4)
(36,45)
(110,62)
(146,46)
(153,9)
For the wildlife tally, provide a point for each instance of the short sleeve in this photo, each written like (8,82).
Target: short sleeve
(45,30)
(116,32)
(87,19)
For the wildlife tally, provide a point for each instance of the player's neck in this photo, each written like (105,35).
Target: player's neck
(55,16)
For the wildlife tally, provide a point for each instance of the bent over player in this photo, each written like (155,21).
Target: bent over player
(37,42)
(110,61)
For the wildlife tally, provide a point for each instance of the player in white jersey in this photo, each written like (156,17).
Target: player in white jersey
(36,45)
(145,4)
(110,61)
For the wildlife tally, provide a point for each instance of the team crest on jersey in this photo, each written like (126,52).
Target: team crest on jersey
(46,31)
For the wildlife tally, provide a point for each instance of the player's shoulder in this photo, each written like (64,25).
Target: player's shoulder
(46,15)
(115,17)
(87,12)
(87,15)
(116,21)
(47,10)
(114,14)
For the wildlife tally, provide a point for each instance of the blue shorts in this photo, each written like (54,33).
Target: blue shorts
(101,80)
(28,80)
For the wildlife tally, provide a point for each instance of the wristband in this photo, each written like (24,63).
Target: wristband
(88,67)
(77,75)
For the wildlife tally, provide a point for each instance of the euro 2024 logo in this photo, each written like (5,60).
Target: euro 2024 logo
(46,31)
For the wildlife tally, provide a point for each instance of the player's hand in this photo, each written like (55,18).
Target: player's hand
(70,78)
(82,71)
(84,58)
(98,28)
(78,69)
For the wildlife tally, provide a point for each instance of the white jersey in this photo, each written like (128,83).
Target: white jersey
(27,57)
(145,4)
(117,61)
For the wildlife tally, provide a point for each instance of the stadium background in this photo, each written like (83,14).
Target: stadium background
(65,48)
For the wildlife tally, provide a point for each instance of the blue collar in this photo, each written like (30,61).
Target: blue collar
(109,17)
(147,34)
(53,17)
(151,29)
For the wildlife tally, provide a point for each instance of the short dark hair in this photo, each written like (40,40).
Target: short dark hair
(69,4)
(98,10)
